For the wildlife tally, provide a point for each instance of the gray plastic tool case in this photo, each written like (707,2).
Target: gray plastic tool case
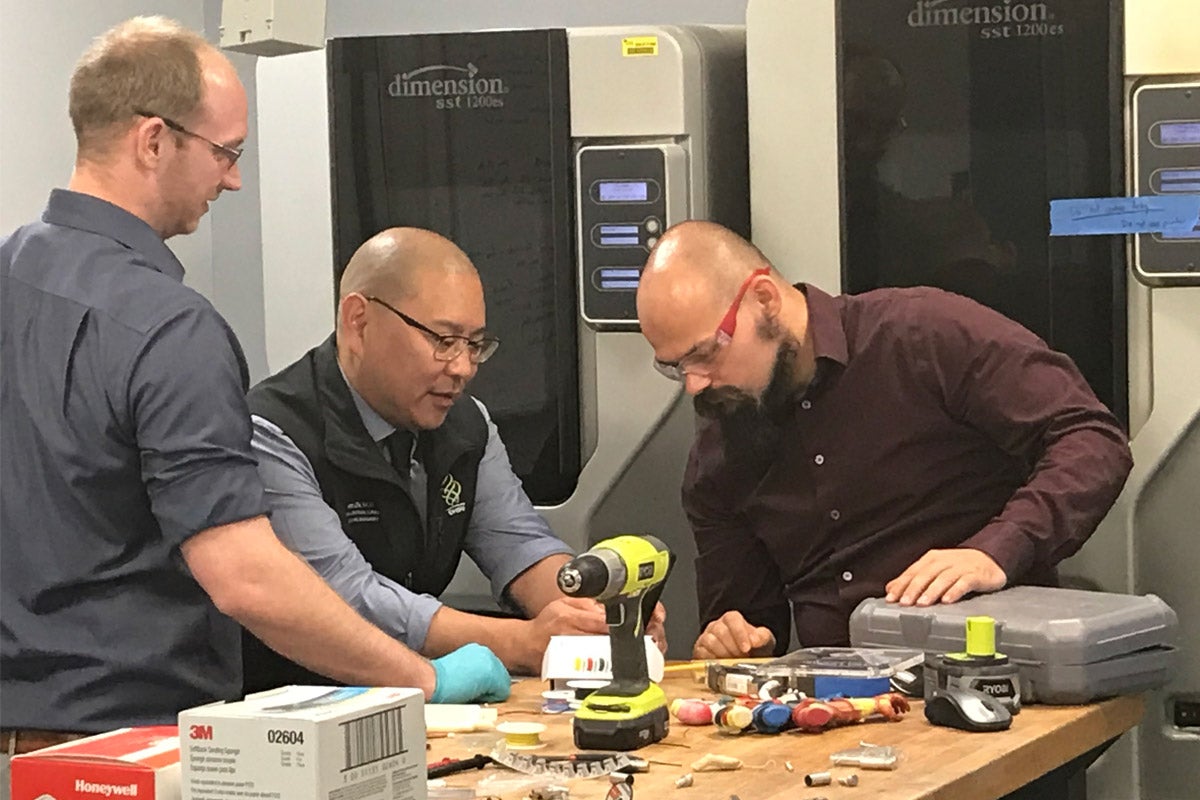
(1071,646)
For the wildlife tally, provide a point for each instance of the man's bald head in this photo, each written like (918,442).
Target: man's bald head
(696,267)
(392,263)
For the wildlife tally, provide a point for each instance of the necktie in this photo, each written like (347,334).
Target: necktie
(412,473)
(399,446)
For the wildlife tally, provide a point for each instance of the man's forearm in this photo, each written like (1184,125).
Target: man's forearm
(537,587)
(277,597)
(509,639)
(314,627)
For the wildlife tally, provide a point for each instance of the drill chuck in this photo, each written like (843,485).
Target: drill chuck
(597,573)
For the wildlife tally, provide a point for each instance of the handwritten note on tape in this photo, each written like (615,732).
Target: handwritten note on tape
(1167,214)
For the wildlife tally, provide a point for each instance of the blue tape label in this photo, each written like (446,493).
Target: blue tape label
(1174,214)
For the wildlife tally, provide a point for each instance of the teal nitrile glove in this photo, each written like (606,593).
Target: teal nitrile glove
(470,674)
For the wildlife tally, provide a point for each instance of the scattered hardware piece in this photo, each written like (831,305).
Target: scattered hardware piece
(621,788)
(818,779)
(683,781)
(550,792)
(849,780)
(867,756)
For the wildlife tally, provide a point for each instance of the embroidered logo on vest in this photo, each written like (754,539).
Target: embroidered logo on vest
(452,494)
(361,511)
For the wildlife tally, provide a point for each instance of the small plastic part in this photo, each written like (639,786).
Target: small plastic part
(733,718)
(849,780)
(771,717)
(981,636)
(710,762)
(692,712)
(683,781)
(458,718)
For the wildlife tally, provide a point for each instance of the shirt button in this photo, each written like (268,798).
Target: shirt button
(835,514)
(806,404)
(847,576)
(819,460)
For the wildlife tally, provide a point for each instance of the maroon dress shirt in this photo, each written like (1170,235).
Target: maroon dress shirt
(933,422)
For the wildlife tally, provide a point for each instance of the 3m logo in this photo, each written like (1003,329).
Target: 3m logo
(200,732)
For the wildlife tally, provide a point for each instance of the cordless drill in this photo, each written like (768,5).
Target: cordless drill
(626,575)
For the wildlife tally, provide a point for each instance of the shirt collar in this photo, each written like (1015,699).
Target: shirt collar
(825,324)
(89,213)
(377,427)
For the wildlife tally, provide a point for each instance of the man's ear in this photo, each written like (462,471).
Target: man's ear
(766,294)
(149,138)
(352,319)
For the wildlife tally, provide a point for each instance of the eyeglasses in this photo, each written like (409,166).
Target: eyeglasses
(231,154)
(698,360)
(449,346)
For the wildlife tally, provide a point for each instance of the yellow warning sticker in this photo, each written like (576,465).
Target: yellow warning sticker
(639,46)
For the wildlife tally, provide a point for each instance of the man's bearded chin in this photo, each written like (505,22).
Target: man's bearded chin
(750,424)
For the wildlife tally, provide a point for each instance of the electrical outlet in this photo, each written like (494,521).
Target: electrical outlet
(1187,713)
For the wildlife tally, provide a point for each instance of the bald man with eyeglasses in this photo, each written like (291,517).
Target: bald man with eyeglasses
(382,471)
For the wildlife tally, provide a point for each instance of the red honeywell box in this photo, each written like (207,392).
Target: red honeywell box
(129,762)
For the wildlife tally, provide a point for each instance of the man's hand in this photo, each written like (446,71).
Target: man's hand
(732,636)
(566,615)
(656,627)
(946,576)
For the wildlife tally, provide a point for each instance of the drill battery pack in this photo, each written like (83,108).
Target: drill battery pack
(621,733)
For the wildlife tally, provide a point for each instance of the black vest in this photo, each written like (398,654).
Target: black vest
(311,403)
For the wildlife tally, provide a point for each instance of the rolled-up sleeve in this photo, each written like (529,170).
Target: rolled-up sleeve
(506,535)
(309,527)
(186,398)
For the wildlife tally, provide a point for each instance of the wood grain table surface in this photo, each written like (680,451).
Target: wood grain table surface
(935,762)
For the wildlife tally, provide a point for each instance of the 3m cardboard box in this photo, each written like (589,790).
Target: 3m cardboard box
(129,762)
(307,743)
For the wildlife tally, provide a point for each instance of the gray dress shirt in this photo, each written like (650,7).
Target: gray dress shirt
(123,431)
(506,535)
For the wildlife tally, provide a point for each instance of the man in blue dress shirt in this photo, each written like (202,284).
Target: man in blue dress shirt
(133,522)
(382,471)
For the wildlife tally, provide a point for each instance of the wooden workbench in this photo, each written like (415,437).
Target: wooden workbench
(935,762)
